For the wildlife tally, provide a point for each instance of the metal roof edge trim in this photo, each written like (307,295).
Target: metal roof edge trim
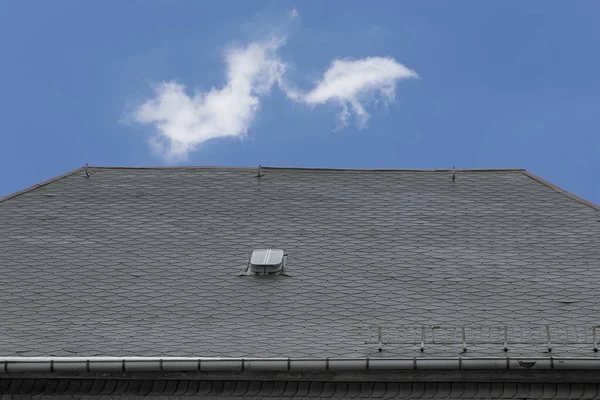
(392,169)
(208,167)
(561,190)
(308,169)
(38,185)
(158,364)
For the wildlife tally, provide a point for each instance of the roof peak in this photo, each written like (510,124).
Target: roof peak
(317,170)
(313,169)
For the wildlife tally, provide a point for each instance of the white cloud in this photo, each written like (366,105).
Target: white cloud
(183,121)
(352,83)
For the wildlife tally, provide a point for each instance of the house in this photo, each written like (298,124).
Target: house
(169,283)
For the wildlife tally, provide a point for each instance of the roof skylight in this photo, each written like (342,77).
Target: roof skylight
(267,261)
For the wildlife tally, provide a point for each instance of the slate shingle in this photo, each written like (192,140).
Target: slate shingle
(146,262)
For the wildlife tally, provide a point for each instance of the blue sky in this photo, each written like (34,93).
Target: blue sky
(500,84)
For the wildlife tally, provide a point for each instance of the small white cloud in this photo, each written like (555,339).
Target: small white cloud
(352,83)
(183,121)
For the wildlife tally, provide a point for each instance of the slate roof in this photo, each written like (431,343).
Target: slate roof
(180,389)
(147,262)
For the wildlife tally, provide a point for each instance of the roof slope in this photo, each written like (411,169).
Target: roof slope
(180,389)
(146,262)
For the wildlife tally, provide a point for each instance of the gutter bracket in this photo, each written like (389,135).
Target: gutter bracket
(464,339)
(549,339)
(594,338)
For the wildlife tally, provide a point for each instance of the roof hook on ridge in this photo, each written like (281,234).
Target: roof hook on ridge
(87,172)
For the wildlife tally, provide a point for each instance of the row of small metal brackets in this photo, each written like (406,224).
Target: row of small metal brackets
(464,338)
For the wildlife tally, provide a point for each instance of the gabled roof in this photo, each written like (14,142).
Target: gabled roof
(147,262)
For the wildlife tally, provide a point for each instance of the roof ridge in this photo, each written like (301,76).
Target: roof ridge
(561,190)
(397,169)
(173,167)
(313,169)
(38,185)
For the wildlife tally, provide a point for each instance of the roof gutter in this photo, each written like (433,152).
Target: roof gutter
(180,364)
